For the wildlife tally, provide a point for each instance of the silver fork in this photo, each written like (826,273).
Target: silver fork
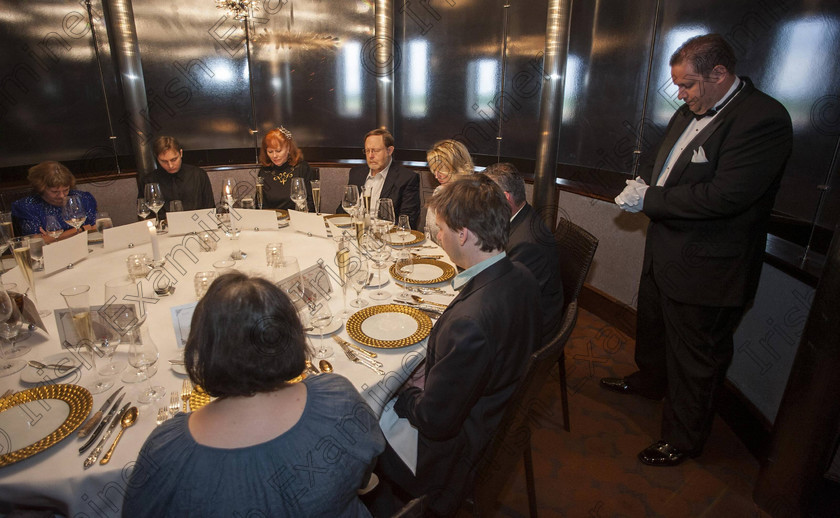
(174,403)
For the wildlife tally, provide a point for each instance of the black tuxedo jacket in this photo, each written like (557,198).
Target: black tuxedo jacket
(477,352)
(402,185)
(532,244)
(708,228)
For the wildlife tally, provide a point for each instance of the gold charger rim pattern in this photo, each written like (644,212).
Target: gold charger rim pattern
(79,399)
(354,326)
(448,272)
(418,237)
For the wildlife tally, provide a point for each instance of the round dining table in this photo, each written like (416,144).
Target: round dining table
(55,477)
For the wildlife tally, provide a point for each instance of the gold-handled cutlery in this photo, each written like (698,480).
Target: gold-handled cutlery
(325,366)
(94,455)
(186,392)
(162,415)
(91,423)
(128,419)
(174,403)
(421,300)
(367,362)
(354,346)
(425,290)
(346,347)
(95,435)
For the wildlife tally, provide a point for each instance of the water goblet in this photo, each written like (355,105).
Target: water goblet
(142,355)
(320,317)
(142,209)
(385,213)
(350,199)
(403,228)
(379,252)
(36,252)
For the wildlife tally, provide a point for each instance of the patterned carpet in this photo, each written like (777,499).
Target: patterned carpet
(593,471)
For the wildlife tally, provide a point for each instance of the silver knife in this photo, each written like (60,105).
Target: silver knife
(354,346)
(362,361)
(101,426)
(346,346)
(94,420)
(91,460)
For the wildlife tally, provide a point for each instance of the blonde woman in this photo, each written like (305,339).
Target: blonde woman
(448,159)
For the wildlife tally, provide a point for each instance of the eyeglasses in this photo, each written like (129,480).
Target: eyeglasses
(373,150)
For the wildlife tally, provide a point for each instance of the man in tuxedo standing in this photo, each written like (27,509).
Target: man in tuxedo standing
(384,178)
(708,195)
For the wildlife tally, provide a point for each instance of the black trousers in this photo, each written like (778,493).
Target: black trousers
(683,350)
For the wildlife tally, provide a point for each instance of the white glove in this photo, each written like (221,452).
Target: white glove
(632,198)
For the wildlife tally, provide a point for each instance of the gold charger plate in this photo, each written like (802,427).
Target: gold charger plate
(356,322)
(79,403)
(339,225)
(198,398)
(447,272)
(394,238)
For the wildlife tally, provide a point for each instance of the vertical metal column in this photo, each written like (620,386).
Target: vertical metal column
(551,108)
(123,35)
(385,61)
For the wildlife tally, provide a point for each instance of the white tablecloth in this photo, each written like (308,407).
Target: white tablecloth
(55,477)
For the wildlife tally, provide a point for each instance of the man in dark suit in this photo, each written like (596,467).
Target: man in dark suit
(477,350)
(708,195)
(532,244)
(384,178)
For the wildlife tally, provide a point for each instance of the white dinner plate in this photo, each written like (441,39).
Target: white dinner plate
(30,374)
(340,220)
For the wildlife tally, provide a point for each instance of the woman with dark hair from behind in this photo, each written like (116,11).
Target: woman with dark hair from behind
(52,183)
(265,446)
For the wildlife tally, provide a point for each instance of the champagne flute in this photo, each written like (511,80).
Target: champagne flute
(142,355)
(358,279)
(297,193)
(258,194)
(404,267)
(350,200)
(77,299)
(23,258)
(342,261)
(9,329)
(316,195)
(142,209)
(73,211)
(154,200)
(5,235)
(52,226)
(320,317)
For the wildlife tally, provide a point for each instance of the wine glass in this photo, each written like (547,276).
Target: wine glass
(316,195)
(358,279)
(142,209)
(320,317)
(73,211)
(142,355)
(385,216)
(154,200)
(52,226)
(404,267)
(403,228)
(379,252)
(350,200)
(298,193)
(9,329)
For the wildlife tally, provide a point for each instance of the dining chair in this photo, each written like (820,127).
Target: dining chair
(512,439)
(576,249)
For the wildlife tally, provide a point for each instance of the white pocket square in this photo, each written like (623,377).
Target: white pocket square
(699,156)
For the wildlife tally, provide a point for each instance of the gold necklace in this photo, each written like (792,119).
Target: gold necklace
(283,177)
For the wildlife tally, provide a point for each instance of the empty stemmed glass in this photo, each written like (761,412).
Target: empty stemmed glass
(385,213)
(298,193)
(153,197)
(23,258)
(142,355)
(404,267)
(379,252)
(350,200)
(73,211)
(357,277)
(320,317)
(9,329)
(403,228)
(142,209)
(52,226)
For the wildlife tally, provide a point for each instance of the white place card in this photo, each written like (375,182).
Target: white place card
(252,219)
(61,254)
(181,319)
(187,221)
(308,223)
(126,236)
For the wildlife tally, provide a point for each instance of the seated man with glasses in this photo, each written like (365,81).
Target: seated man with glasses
(384,178)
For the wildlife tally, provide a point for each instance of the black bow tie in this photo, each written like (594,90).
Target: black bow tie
(712,111)
(708,113)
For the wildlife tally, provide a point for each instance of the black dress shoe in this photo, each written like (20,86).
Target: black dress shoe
(617,385)
(663,453)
